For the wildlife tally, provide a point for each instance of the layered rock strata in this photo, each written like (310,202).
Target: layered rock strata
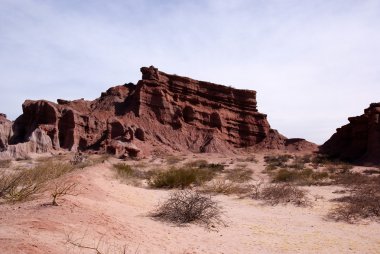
(161,111)
(359,140)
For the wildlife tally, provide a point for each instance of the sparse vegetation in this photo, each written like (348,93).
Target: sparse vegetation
(222,186)
(203,164)
(239,175)
(130,174)
(5,163)
(304,177)
(25,183)
(61,189)
(188,206)
(171,160)
(275,194)
(180,177)
(362,203)
(250,158)
(278,161)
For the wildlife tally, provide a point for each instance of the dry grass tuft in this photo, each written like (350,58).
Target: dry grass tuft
(171,160)
(5,163)
(250,158)
(239,175)
(282,194)
(23,184)
(222,186)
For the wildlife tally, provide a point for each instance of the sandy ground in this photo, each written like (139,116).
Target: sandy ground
(114,216)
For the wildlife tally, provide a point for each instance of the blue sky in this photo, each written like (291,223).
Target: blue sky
(313,63)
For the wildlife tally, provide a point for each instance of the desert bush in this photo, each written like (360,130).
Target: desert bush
(61,189)
(180,177)
(270,167)
(351,179)
(5,163)
(125,171)
(203,164)
(223,186)
(25,183)
(18,186)
(305,176)
(362,203)
(187,206)
(250,158)
(171,160)
(277,161)
(239,175)
(282,194)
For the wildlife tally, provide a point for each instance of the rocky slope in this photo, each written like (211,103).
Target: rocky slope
(358,141)
(161,112)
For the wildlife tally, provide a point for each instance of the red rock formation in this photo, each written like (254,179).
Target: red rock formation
(5,131)
(358,141)
(162,111)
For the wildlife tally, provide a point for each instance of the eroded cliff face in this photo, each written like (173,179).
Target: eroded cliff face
(161,111)
(358,141)
(5,132)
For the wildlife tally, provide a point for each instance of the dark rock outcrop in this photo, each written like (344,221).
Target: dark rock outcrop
(160,111)
(358,141)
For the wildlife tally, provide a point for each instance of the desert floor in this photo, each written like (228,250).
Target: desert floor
(113,216)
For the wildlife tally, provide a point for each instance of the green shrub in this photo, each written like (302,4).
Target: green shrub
(181,177)
(125,171)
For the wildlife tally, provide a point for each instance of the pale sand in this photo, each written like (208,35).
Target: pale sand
(114,214)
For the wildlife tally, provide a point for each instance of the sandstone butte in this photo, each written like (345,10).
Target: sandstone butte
(161,113)
(359,140)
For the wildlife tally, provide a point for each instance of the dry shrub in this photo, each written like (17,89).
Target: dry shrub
(203,164)
(131,175)
(304,177)
(239,175)
(180,177)
(171,160)
(187,206)
(362,203)
(18,186)
(351,179)
(222,186)
(282,194)
(61,189)
(5,163)
(25,183)
(277,161)
(250,158)
(363,200)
